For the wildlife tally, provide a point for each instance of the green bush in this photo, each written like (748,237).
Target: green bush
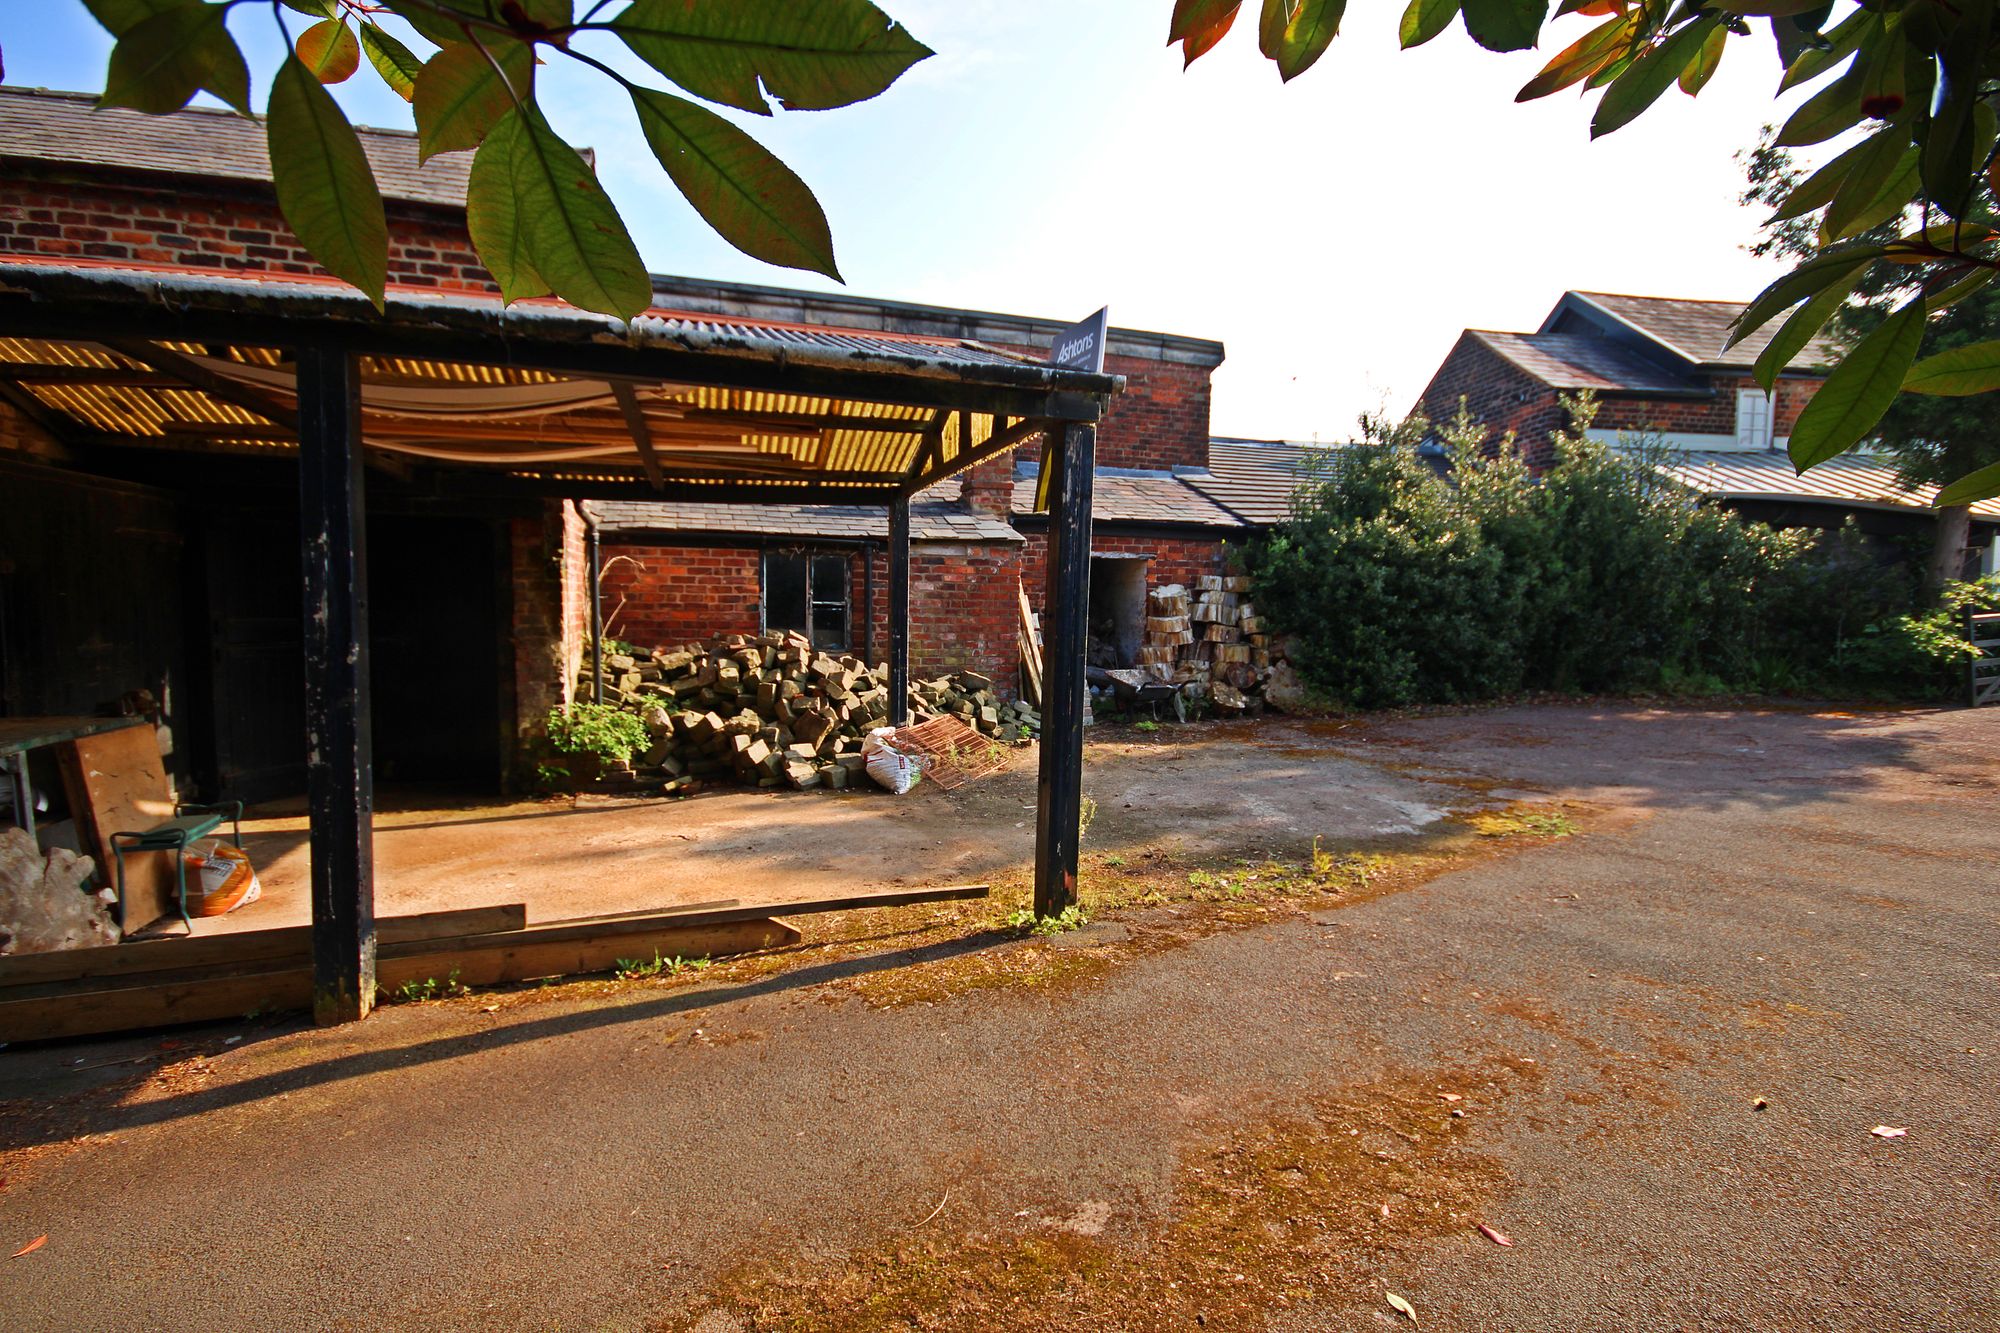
(604,730)
(1398,586)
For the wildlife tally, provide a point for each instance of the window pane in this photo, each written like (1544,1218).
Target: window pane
(829,602)
(784,592)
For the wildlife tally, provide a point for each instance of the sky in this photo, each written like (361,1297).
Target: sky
(1335,233)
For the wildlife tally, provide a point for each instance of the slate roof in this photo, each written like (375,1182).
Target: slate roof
(1254,479)
(931,520)
(1697,330)
(1144,497)
(1584,361)
(48,126)
(1855,480)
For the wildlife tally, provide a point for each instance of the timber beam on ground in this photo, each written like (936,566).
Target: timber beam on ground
(153,983)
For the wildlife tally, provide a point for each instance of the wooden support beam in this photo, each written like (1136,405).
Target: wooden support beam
(899,611)
(339,756)
(1071,451)
(642,434)
(997,443)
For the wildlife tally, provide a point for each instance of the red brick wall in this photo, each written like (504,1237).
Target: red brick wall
(1504,398)
(547,565)
(678,594)
(1499,395)
(219,226)
(1160,421)
(963,608)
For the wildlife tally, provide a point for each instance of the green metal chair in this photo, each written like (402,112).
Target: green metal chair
(173,835)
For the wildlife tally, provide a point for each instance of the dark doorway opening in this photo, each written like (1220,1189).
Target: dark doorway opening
(1117,609)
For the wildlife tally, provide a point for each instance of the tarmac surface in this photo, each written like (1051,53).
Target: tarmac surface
(1651,1054)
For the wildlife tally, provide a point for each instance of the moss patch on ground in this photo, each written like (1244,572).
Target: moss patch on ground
(1296,1210)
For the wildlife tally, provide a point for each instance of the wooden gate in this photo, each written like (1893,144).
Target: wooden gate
(1982,631)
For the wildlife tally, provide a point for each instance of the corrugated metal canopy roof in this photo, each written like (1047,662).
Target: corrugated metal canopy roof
(539,392)
(1852,479)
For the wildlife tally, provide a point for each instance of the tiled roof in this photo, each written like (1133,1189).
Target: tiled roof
(1141,498)
(1254,479)
(931,520)
(47,126)
(1581,361)
(1698,330)
(1848,480)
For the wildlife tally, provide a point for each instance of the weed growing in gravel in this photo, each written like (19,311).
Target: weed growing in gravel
(1071,918)
(429,988)
(1522,823)
(660,966)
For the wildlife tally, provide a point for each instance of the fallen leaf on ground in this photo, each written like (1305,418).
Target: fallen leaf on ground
(31,1246)
(1402,1305)
(1451,1096)
(1888,1131)
(1493,1235)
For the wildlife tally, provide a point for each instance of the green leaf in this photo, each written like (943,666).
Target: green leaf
(1864,176)
(1425,19)
(325,187)
(1818,189)
(1798,330)
(1192,18)
(810,56)
(396,63)
(494,219)
(537,199)
(162,61)
(1582,57)
(1841,43)
(1829,111)
(1808,279)
(119,17)
(319,9)
(1505,25)
(1944,298)
(1305,39)
(1859,390)
(1971,488)
(1702,68)
(1271,26)
(1649,76)
(441,31)
(330,51)
(1973,368)
(751,198)
(460,96)
(1889,202)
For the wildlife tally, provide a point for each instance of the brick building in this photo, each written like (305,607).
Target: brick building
(203,610)
(1658,366)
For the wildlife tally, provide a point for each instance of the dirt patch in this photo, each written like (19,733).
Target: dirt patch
(1293,1210)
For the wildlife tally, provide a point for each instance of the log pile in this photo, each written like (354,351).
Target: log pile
(1212,638)
(770,710)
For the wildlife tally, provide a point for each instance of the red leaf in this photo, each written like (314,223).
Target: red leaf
(1206,30)
(31,1246)
(1493,1235)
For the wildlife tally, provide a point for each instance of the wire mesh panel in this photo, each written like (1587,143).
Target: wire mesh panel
(1982,631)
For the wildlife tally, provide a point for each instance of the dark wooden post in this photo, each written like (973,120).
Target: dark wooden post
(899,611)
(339,756)
(1072,452)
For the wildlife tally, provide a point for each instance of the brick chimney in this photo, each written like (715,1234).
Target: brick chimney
(988,488)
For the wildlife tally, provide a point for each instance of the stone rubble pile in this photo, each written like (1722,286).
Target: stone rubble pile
(770,710)
(45,903)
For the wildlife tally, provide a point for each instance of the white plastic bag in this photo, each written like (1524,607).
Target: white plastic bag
(889,766)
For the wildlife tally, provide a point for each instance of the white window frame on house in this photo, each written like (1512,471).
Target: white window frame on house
(821,601)
(1754,426)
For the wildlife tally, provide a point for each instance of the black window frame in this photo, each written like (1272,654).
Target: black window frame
(818,562)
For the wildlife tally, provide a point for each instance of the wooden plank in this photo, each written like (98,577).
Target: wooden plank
(18,734)
(117,784)
(106,1003)
(243,949)
(45,1013)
